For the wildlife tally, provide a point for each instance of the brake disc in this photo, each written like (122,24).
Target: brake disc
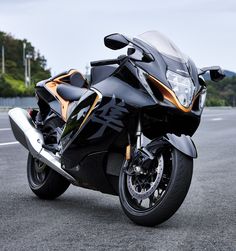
(135,182)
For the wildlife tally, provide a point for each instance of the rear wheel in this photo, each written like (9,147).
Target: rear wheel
(43,181)
(151,197)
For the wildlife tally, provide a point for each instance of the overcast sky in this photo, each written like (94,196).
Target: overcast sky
(69,33)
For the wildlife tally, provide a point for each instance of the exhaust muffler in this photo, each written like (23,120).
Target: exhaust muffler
(25,132)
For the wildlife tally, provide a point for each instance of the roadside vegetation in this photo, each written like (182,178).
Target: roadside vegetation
(12,81)
(222,93)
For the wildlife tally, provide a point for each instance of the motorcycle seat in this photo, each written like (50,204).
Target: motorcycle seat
(70,93)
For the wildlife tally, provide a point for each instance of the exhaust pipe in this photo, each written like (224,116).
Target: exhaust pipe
(25,132)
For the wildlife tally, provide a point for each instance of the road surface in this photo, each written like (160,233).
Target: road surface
(86,220)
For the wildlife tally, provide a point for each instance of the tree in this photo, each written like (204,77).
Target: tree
(222,93)
(14,66)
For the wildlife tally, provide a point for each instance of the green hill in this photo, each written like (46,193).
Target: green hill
(222,93)
(12,82)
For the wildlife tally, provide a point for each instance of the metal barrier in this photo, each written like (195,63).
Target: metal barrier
(23,102)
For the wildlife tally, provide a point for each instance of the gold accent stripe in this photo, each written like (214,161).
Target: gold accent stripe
(170,95)
(90,110)
(52,87)
(58,79)
(128,152)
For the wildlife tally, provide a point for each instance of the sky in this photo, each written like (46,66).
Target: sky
(69,33)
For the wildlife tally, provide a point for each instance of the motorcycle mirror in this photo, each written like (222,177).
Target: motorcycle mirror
(115,41)
(216,73)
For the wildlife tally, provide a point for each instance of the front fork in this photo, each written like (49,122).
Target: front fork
(140,145)
(139,135)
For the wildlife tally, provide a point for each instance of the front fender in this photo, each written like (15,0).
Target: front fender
(182,143)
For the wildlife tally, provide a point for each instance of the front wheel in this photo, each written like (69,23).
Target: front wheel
(152,196)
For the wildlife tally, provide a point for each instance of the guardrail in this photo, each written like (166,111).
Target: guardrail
(24,102)
(31,102)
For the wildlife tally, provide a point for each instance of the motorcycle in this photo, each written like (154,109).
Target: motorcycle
(127,132)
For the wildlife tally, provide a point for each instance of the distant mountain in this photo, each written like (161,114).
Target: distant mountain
(229,74)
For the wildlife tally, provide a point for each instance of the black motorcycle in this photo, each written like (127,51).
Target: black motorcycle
(126,132)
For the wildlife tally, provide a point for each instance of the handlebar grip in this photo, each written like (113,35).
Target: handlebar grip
(105,62)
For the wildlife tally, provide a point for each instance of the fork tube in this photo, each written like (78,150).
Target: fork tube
(139,133)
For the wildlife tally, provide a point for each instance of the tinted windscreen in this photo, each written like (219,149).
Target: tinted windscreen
(163,45)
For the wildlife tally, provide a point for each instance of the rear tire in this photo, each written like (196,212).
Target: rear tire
(163,207)
(43,181)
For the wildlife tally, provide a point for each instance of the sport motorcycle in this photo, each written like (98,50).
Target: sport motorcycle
(126,132)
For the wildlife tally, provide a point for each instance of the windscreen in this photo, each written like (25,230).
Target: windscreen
(163,45)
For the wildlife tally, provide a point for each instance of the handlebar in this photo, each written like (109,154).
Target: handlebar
(105,62)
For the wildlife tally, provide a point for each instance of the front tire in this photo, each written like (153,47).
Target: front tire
(159,206)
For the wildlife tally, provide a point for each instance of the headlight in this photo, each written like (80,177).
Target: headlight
(183,87)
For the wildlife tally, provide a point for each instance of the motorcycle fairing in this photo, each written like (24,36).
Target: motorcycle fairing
(100,73)
(91,173)
(109,121)
(78,117)
(123,91)
(109,115)
(87,153)
(97,130)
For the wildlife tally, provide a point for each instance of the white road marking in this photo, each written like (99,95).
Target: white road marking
(5,129)
(216,119)
(213,115)
(9,143)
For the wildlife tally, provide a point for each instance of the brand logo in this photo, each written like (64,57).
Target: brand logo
(109,115)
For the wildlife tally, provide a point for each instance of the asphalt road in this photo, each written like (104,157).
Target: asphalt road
(87,220)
